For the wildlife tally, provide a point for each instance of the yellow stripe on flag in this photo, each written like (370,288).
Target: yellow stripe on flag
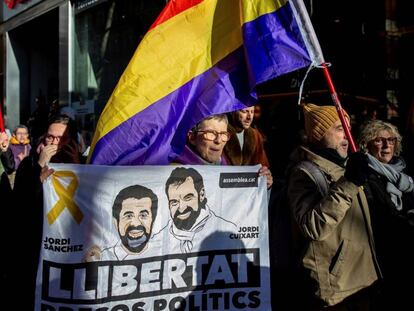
(172,54)
(252,9)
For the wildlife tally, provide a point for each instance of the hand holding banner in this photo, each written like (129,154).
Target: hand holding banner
(154,238)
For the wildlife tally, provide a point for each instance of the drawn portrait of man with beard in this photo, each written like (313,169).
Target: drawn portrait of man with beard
(192,220)
(134,211)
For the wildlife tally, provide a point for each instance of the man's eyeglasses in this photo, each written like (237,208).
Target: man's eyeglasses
(212,135)
(51,138)
(380,141)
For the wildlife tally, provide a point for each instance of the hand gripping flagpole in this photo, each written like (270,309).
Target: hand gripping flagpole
(315,51)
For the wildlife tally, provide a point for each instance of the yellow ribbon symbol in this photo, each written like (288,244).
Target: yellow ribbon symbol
(65,197)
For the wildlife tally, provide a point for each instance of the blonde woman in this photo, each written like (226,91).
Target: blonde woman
(382,142)
(390,195)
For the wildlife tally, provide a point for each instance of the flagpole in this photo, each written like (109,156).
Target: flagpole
(1,121)
(338,106)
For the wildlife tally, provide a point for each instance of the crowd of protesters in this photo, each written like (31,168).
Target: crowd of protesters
(352,214)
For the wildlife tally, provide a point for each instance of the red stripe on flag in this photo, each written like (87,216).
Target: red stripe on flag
(1,121)
(173,8)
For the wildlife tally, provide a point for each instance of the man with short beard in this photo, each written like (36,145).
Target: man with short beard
(192,219)
(134,212)
(334,236)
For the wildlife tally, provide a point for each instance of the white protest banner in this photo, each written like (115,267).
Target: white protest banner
(154,238)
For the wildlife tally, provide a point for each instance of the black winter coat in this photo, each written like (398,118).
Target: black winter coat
(394,240)
(28,194)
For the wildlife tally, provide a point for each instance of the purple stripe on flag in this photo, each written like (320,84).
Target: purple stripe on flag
(274,45)
(157,134)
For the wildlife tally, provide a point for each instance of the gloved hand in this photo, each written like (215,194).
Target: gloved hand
(357,169)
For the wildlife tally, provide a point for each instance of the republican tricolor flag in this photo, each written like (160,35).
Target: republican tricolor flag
(200,57)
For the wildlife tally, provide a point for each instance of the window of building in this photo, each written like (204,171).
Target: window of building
(106,36)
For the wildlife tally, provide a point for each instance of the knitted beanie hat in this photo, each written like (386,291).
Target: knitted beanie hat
(318,120)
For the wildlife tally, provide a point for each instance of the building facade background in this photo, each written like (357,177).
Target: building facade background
(68,53)
(72,53)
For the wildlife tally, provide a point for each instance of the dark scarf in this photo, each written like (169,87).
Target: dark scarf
(330,154)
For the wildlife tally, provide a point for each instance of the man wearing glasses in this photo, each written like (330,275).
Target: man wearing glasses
(205,142)
(205,145)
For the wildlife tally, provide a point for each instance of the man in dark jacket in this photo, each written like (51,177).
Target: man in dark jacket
(337,254)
